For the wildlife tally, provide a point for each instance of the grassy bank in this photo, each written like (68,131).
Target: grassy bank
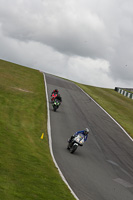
(27,171)
(117,105)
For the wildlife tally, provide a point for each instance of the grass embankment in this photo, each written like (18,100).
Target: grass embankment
(117,105)
(27,171)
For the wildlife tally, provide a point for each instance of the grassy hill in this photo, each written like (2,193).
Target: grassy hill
(27,171)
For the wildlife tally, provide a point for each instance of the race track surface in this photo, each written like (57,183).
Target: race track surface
(103,168)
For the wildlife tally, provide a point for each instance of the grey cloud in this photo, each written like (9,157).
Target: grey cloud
(72,29)
(71,33)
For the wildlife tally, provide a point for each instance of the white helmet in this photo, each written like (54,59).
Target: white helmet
(86,131)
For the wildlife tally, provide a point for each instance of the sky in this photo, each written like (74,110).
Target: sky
(90,42)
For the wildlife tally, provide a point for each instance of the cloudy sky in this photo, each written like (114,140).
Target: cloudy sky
(86,41)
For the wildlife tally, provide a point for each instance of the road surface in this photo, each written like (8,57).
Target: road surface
(103,168)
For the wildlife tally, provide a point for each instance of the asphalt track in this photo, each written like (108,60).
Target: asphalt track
(103,168)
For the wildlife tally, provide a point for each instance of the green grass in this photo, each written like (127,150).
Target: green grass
(27,171)
(117,105)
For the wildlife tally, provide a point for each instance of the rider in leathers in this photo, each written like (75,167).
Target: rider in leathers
(84,132)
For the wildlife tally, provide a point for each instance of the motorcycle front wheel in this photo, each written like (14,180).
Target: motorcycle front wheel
(73,148)
(68,146)
(54,108)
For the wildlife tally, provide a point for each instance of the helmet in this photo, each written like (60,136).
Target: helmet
(56,91)
(86,131)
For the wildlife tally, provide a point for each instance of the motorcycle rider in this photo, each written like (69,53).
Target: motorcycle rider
(84,132)
(58,97)
(54,94)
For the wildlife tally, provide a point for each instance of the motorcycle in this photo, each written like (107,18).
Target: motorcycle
(55,105)
(76,141)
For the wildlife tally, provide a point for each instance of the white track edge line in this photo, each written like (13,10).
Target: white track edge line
(50,140)
(107,113)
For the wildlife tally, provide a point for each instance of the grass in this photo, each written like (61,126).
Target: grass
(27,171)
(117,105)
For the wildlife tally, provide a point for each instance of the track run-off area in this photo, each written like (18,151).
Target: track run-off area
(103,168)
